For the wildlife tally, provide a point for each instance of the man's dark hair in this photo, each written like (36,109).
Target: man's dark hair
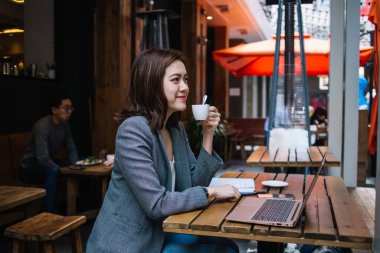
(146,95)
(55,101)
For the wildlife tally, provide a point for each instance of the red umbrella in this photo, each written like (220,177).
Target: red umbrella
(258,58)
(374,15)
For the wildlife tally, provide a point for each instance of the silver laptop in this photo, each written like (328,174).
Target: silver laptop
(283,212)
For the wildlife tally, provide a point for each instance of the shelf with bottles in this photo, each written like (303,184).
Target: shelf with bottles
(11,66)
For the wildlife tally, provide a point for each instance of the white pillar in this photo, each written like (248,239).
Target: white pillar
(244,96)
(264,97)
(351,90)
(335,108)
(343,97)
(255,95)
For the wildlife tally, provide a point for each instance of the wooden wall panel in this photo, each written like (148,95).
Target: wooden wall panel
(112,68)
(221,85)
(193,28)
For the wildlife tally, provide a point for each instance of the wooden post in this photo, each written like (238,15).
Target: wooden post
(112,68)
(193,33)
(363,148)
(221,85)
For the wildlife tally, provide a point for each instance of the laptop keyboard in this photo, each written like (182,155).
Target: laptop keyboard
(276,210)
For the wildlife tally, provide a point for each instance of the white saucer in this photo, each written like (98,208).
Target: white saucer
(274,183)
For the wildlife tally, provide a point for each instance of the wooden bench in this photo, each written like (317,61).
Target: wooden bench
(12,147)
(250,128)
(365,198)
(245,132)
(45,228)
(6,171)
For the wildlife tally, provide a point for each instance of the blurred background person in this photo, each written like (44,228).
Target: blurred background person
(363,102)
(49,135)
(319,117)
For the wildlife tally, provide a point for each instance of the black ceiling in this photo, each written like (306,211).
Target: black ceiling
(11,15)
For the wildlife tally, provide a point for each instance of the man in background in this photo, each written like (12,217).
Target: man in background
(319,117)
(49,135)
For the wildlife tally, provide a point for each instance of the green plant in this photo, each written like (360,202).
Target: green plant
(194,133)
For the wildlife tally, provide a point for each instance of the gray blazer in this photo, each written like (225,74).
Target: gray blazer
(138,198)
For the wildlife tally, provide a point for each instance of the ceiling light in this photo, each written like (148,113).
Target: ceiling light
(18,1)
(209,17)
(12,30)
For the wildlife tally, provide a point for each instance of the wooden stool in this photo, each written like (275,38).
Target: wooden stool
(45,228)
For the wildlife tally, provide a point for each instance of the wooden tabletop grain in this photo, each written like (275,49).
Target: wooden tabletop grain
(292,157)
(332,217)
(14,196)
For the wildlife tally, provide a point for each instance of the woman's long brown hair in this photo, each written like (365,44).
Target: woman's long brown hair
(146,95)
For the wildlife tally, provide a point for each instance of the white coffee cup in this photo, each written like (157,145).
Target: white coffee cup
(200,112)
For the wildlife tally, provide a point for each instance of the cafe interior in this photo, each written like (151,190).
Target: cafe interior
(85,50)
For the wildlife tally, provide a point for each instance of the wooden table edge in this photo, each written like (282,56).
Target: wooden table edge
(70,172)
(293,164)
(266,238)
(38,195)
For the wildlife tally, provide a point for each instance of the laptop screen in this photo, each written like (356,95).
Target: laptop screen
(314,180)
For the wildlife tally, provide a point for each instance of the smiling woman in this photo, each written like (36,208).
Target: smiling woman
(27,38)
(155,173)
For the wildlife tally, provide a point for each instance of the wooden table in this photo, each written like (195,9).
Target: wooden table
(19,202)
(290,157)
(332,217)
(72,176)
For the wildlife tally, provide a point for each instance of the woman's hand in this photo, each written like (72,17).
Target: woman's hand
(223,192)
(209,125)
